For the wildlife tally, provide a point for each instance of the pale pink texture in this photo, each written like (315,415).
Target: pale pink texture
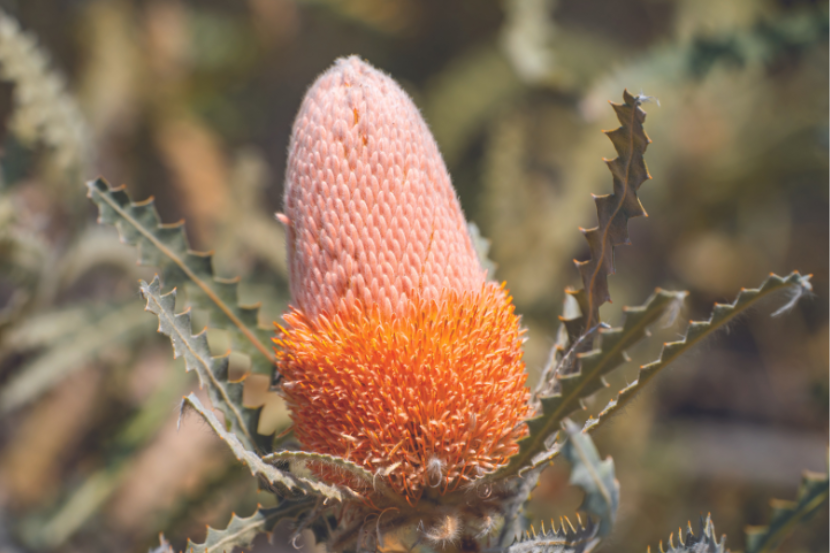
(371,213)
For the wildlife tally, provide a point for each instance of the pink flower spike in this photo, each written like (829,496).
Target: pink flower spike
(397,352)
(368,199)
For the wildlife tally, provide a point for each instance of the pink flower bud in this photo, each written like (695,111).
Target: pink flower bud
(397,350)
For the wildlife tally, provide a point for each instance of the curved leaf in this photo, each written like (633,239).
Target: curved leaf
(279,480)
(812,493)
(213,371)
(614,210)
(165,247)
(242,531)
(698,330)
(534,450)
(594,476)
(329,460)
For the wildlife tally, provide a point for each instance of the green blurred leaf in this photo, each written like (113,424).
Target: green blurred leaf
(812,494)
(122,325)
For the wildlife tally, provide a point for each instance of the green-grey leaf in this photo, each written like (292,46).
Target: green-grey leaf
(212,371)
(258,467)
(242,531)
(121,325)
(164,546)
(573,387)
(482,248)
(594,476)
(812,493)
(698,330)
(166,247)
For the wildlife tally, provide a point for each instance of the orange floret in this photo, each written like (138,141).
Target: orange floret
(440,390)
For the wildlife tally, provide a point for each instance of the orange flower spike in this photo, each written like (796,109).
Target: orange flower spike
(396,348)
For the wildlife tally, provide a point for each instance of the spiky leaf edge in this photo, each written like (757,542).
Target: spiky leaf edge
(574,387)
(581,538)
(166,247)
(691,543)
(812,492)
(241,531)
(212,371)
(279,481)
(614,210)
(699,330)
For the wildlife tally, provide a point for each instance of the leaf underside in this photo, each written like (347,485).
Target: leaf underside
(338,463)
(594,476)
(166,247)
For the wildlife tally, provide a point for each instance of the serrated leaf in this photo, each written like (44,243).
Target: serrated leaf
(567,539)
(594,476)
(614,210)
(242,531)
(212,371)
(812,493)
(261,469)
(699,330)
(166,247)
(572,388)
(705,542)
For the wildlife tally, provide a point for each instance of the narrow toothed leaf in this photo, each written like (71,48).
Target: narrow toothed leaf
(212,371)
(812,494)
(278,479)
(166,247)
(698,330)
(594,476)
(568,390)
(242,531)
(614,210)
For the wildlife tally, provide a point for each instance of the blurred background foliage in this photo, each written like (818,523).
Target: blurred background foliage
(192,102)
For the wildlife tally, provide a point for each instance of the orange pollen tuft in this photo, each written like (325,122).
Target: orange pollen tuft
(439,389)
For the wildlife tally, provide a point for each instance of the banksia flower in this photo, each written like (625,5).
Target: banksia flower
(397,353)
